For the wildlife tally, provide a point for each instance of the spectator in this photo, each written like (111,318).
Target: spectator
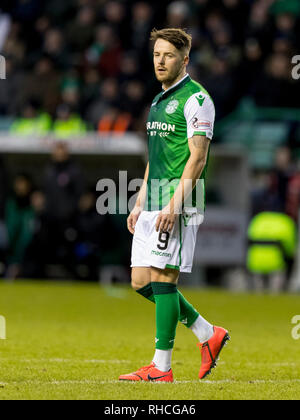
(111,37)
(259,26)
(90,88)
(42,26)
(236,13)
(71,97)
(129,68)
(213,22)
(59,11)
(263,195)
(273,87)
(102,41)
(285,24)
(281,174)
(133,96)
(93,231)
(31,122)
(13,46)
(105,52)
(67,124)
(249,68)
(224,47)
(271,188)
(219,84)
(42,85)
(114,14)
(63,186)
(282,45)
(114,121)
(293,195)
(80,32)
(38,251)
(108,98)
(177,14)
(141,24)
(10,90)
(55,48)
(272,246)
(19,216)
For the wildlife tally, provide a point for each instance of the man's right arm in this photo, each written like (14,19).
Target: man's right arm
(139,204)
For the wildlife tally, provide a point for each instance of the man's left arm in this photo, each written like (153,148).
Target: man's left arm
(199,113)
(198,146)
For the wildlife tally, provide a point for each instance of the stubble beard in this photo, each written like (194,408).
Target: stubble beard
(170,78)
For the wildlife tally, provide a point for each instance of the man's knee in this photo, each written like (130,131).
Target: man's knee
(135,284)
(140,277)
(167,275)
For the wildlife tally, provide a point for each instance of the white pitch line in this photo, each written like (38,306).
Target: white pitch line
(110,382)
(54,360)
(255,364)
(118,361)
(237,381)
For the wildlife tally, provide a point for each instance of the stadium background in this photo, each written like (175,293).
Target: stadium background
(80,72)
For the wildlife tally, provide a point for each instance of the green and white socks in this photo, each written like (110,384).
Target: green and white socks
(172,306)
(162,359)
(188,315)
(167,315)
(202,329)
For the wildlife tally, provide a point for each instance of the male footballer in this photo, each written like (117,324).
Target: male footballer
(170,205)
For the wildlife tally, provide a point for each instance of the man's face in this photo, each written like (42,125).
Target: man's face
(168,61)
(60,153)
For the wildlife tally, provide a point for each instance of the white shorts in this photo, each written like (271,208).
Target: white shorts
(163,249)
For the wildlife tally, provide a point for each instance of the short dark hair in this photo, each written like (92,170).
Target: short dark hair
(178,37)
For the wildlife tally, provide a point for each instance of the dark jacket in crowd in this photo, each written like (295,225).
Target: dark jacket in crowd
(63,186)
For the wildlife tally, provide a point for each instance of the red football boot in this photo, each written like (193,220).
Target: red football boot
(148,373)
(210,350)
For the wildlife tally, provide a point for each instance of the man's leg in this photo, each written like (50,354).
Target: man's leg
(166,297)
(164,286)
(141,282)
(164,289)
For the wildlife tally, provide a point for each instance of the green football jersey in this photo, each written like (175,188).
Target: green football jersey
(176,114)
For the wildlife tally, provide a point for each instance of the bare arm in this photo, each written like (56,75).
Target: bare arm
(198,146)
(140,201)
(139,204)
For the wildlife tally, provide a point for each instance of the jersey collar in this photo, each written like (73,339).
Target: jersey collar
(177,86)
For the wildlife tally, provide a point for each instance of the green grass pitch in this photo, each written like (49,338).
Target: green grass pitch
(71,341)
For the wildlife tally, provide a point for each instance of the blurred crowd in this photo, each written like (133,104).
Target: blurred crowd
(52,221)
(277,189)
(274,223)
(79,65)
(76,65)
